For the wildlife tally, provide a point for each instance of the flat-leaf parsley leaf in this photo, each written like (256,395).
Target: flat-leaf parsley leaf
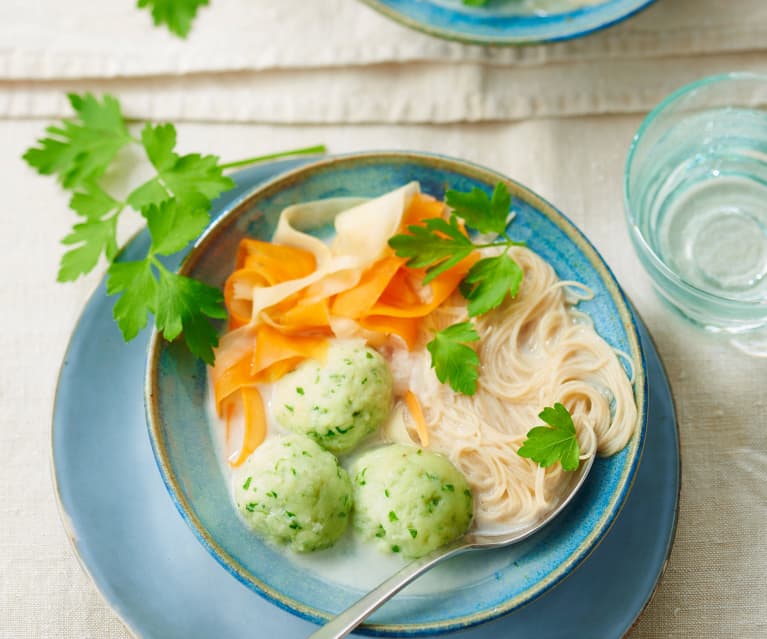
(178,15)
(437,244)
(193,180)
(92,238)
(138,286)
(557,442)
(173,226)
(81,149)
(453,361)
(483,213)
(489,281)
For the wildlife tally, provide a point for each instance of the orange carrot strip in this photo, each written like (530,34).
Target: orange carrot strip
(422,206)
(404,288)
(299,317)
(239,309)
(262,264)
(441,288)
(274,355)
(255,425)
(233,379)
(272,346)
(414,406)
(356,301)
(278,369)
(405,327)
(252,253)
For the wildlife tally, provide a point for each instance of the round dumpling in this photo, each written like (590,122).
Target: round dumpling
(409,500)
(292,492)
(337,403)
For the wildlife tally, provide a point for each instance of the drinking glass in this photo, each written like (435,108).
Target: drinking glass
(696,203)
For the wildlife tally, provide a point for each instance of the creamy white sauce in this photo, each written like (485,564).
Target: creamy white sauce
(341,565)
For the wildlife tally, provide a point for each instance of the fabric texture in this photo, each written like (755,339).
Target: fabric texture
(558,118)
(338,61)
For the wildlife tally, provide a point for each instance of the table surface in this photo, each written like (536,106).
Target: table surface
(714,584)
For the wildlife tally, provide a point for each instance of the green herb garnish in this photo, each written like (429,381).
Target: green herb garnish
(175,203)
(453,361)
(486,214)
(489,281)
(557,442)
(437,245)
(177,15)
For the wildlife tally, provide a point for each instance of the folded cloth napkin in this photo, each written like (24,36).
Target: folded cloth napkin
(338,61)
(387,93)
(49,39)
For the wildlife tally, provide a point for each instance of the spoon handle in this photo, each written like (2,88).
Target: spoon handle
(350,618)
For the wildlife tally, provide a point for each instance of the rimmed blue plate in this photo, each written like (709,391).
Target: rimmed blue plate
(508,22)
(179,426)
(150,568)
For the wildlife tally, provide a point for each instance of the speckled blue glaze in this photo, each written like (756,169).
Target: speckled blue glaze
(151,569)
(180,435)
(501,22)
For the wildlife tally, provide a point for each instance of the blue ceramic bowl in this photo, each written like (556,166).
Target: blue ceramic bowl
(181,439)
(508,22)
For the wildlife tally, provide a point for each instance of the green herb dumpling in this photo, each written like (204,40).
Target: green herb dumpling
(292,492)
(337,403)
(409,500)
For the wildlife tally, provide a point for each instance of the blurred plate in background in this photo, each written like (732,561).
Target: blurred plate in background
(508,22)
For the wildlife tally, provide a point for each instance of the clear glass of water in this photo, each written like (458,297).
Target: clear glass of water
(696,201)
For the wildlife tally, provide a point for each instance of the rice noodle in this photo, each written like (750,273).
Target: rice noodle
(534,351)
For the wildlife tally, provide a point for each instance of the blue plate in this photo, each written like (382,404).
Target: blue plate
(162,583)
(508,22)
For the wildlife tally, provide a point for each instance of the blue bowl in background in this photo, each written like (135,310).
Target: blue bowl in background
(508,22)
(180,432)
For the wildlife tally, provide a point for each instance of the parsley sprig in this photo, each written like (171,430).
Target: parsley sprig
(437,245)
(177,15)
(175,204)
(556,442)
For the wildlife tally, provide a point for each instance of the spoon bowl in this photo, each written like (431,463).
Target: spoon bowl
(350,618)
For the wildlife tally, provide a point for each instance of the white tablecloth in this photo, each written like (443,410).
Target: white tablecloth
(370,84)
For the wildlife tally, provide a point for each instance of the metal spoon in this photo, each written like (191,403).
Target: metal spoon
(350,618)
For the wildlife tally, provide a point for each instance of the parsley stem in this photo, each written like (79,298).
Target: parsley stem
(507,243)
(309,150)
